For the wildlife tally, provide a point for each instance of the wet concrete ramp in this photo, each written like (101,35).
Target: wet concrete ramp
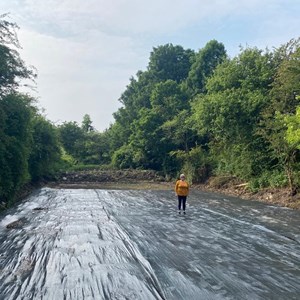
(114,244)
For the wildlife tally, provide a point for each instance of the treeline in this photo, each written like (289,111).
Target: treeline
(208,114)
(29,143)
(200,112)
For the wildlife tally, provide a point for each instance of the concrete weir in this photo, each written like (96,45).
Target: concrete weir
(132,244)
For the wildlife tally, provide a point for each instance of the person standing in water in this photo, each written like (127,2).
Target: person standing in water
(182,191)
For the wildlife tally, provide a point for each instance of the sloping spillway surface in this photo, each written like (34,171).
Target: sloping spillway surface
(113,244)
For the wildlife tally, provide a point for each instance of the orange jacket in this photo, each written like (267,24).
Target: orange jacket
(182,188)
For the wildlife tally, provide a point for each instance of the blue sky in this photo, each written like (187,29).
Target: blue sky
(85,51)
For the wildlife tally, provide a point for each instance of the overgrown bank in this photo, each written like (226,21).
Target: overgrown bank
(277,196)
(148,179)
(152,180)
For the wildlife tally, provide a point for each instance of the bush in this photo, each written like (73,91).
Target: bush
(123,158)
(195,164)
(272,179)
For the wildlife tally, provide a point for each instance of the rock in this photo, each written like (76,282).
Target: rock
(15,224)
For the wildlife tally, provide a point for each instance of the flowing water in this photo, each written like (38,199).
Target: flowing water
(130,244)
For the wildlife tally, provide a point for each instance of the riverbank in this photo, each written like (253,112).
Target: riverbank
(148,179)
(276,196)
(151,180)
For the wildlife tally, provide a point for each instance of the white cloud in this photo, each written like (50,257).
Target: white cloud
(75,78)
(86,50)
(132,16)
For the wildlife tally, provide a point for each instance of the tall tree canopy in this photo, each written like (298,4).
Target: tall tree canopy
(29,148)
(206,60)
(12,67)
(210,113)
(170,62)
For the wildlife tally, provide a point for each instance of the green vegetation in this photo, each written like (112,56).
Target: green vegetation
(233,117)
(207,114)
(29,144)
(200,112)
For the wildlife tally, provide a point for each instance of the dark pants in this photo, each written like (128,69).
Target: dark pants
(181,202)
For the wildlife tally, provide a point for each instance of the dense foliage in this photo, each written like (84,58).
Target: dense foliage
(85,145)
(29,144)
(208,114)
(205,114)
(200,112)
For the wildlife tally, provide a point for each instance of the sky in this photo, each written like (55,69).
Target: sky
(85,51)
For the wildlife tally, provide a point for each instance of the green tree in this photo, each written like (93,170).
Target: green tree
(146,140)
(179,130)
(293,129)
(86,124)
(45,152)
(133,99)
(15,135)
(124,158)
(194,162)
(167,99)
(155,89)
(253,69)
(278,120)
(170,62)
(151,146)
(117,134)
(229,114)
(12,67)
(92,149)
(71,136)
(28,148)
(207,59)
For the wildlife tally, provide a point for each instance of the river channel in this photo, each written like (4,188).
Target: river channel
(132,244)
